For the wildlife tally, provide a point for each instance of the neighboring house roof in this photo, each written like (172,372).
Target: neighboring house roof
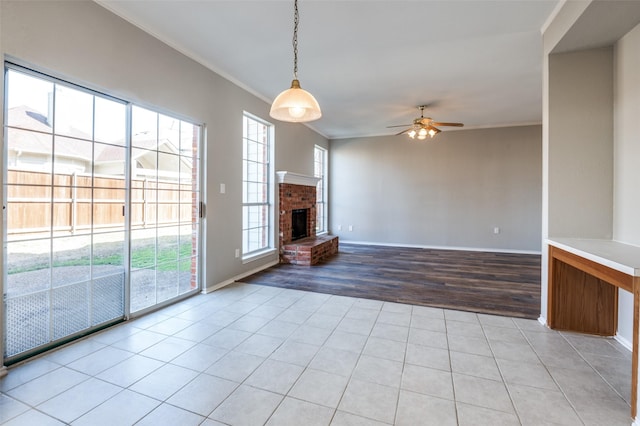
(38,141)
(25,117)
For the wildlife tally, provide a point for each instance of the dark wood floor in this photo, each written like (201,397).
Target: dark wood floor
(492,283)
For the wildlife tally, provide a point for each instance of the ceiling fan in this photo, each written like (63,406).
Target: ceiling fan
(423,126)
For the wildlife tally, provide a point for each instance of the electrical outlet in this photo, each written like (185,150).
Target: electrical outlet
(496,230)
(223,188)
(237,253)
(350,227)
(339,227)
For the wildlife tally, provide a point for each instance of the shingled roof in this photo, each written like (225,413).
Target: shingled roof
(36,138)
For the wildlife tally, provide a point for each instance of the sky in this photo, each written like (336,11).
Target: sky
(78,109)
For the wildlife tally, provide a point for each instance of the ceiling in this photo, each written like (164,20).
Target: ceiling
(368,63)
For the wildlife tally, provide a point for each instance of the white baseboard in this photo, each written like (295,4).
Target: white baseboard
(491,250)
(239,277)
(3,371)
(624,342)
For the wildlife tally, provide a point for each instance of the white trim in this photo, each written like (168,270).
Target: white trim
(297,179)
(238,277)
(491,250)
(543,321)
(624,342)
(260,255)
(552,16)
(199,59)
(3,371)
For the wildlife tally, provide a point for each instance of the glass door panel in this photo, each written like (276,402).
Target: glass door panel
(52,213)
(167,262)
(165,204)
(188,257)
(73,112)
(108,275)
(110,122)
(70,172)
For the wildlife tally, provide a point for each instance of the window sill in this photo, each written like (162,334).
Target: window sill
(258,255)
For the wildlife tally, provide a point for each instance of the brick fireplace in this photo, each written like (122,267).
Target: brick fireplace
(294,196)
(297,192)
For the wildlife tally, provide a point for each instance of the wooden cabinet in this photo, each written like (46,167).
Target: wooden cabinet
(584,277)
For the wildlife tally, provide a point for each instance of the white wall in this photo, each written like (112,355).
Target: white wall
(581,156)
(626,201)
(626,178)
(86,44)
(450,191)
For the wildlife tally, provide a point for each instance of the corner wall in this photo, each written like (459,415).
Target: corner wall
(450,191)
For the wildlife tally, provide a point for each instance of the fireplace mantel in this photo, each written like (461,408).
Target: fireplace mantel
(297,179)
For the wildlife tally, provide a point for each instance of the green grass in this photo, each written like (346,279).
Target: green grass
(144,257)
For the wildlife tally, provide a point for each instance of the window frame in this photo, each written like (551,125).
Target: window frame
(269,179)
(322,215)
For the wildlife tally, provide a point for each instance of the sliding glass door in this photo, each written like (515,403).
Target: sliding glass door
(165,207)
(101,211)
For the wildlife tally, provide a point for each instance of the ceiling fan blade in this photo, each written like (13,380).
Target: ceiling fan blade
(434,128)
(399,125)
(447,124)
(402,132)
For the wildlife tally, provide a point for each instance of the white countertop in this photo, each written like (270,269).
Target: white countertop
(619,256)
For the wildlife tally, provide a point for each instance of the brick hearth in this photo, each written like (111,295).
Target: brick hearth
(309,251)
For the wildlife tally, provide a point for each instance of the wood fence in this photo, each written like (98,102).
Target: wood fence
(74,202)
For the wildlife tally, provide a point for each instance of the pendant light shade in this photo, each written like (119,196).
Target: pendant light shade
(295,104)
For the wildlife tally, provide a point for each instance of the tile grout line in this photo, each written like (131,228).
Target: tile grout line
(453,385)
(265,359)
(566,397)
(594,369)
(350,378)
(504,381)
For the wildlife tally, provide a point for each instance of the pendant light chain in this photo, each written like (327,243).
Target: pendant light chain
(295,105)
(296,20)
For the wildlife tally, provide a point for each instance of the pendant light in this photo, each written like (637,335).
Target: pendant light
(295,104)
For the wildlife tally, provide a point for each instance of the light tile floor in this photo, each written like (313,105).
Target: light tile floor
(252,355)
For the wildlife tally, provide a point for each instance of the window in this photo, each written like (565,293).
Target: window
(256,190)
(320,171)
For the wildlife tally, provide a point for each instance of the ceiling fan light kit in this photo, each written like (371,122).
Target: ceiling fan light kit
(295,104)
(423,126)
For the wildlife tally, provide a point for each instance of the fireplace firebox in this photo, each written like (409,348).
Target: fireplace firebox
(299,225)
